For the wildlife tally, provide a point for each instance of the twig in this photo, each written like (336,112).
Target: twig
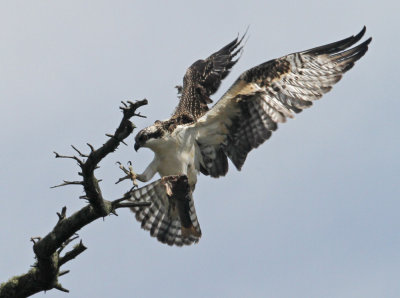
(132,204)
(35,239)
(123,178)
(65,244)
(59,287)
(119,203)
(78,249)
(63,213)
(68,183)
(140,115)
(80,162)
(91,147)
(63,272)
(80,153)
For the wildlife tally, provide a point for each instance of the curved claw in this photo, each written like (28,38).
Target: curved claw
(130,174)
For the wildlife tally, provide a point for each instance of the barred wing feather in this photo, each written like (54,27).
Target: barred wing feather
(268,94)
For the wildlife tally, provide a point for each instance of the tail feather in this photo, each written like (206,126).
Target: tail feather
(171,217)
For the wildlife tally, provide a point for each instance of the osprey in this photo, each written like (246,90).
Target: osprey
(197,139)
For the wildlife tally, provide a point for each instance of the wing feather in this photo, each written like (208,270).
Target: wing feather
(203,79)
(271,92)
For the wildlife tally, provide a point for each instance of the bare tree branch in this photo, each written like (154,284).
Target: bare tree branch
(77,250)
(66,156)
(61,273)
(63,213)
(80,153)
(60,288)
(68,183)
(45,272)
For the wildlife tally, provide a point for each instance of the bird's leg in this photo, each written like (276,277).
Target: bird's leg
(130,174)
(149,173)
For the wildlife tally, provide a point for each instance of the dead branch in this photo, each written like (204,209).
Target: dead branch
(77,250)
(68,183)
(45,272)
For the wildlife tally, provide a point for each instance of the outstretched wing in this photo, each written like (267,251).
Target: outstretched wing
(171,217)
(203,78)
(267,94)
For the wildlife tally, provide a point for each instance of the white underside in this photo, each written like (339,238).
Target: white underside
(175,154)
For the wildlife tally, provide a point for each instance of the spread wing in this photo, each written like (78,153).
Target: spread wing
(203,79)
(171,217)
(266,95)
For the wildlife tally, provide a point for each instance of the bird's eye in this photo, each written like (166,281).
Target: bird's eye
(143,137)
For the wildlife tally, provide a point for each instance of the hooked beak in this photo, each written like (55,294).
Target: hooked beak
(137,146)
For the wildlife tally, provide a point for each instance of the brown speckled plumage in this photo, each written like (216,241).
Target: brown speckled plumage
(198,139)
(272,91)
(203,79)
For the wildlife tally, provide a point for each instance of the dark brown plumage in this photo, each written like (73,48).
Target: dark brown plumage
(203,79)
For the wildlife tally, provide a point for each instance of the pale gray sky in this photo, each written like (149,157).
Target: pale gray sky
(313,213)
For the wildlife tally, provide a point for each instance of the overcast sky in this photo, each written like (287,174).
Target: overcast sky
(314,211)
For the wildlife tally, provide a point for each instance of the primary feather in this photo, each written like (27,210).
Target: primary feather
(198,139)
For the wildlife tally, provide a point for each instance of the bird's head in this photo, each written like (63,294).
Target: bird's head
(148,137)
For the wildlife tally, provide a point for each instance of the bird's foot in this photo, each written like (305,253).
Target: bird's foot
(130,174)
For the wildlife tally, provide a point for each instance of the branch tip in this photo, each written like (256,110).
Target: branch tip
(90,146)
(59,287)
(63,214)
(139,115)
(80,153)
(68,183)
(73,253)
(132,204)
(35,239)
(80,162)
(65,244)
(63,272)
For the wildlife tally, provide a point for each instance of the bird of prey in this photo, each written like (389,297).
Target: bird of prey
(198,139)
